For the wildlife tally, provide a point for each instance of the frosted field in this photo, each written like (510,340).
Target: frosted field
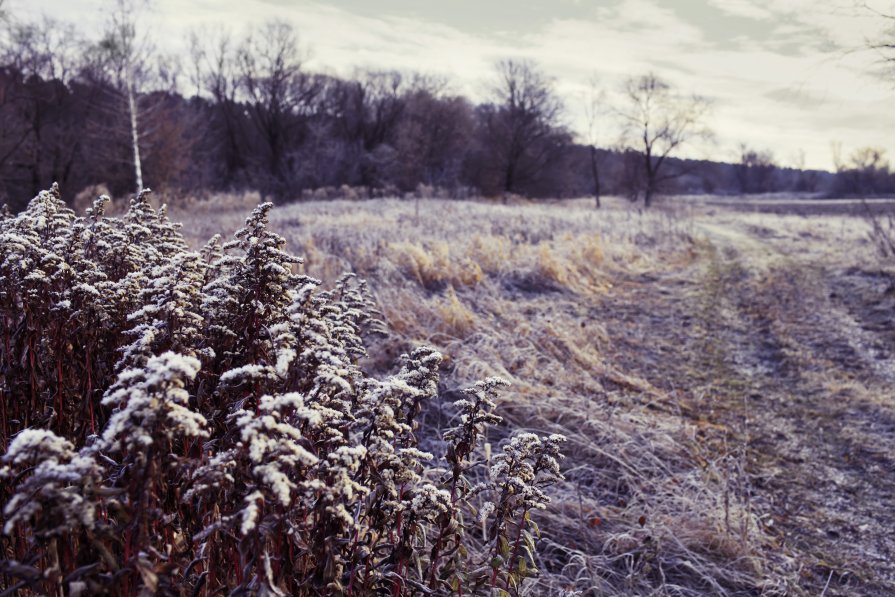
(724,373)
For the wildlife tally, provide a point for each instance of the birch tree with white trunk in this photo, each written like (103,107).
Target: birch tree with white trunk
(127,50)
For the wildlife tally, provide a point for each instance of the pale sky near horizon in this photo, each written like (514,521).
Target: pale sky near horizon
(784,75)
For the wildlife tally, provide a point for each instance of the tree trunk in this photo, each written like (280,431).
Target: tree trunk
(135,134)
(508,180)
(596,174)
(650,178)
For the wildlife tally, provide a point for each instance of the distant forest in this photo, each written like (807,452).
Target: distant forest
(246,114)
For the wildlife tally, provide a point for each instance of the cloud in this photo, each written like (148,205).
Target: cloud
(795,96)
(743,8)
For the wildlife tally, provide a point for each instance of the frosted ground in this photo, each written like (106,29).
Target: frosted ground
(725,376)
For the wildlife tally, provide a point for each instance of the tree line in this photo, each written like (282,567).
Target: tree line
(245,112)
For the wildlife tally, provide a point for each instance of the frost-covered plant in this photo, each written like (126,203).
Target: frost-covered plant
(169,318)
(201,423)
(266,478)
(57,493)
(528,464)
(147,438)
(252,290)
(475,416)
(151,408)
(56,499)
(67,287)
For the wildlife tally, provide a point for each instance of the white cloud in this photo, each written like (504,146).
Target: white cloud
(743,8)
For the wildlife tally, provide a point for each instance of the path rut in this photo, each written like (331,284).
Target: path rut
(797,360)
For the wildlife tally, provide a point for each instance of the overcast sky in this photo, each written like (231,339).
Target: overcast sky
(785,75)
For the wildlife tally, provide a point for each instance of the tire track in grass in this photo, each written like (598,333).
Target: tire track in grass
(817,417)
(786,379)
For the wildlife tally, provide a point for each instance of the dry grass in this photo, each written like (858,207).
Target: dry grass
(687,354)
(653,503)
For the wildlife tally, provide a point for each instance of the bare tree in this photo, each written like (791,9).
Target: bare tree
(126,51)
(594,109)
(381,105)
(432,136)
(279,94)
(139,102)
(216,74)
(755,169)
(658,122)
(836,155)
(381,94)
(523,122)
(865,173)
(884,45)
(869,159)
(806,180)
(198,57)
(41,61)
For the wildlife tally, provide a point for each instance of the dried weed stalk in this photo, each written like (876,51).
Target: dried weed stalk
(183,423)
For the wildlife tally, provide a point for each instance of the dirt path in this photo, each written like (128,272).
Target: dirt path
(798,362)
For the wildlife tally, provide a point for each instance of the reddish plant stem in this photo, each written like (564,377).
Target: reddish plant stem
(396,589)
(90,391)
(277,565)
(59,378)
(6,340)
(211,578)
(235,560)
(4,423)
(516,547)
(7,357)
(125,589)
(353,552)
(290,552)
(33,375)
(436,551)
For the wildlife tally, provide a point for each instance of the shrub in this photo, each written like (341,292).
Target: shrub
(882,231)
(198,423)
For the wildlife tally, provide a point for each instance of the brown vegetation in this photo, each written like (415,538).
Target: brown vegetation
(688,355)
(178,423)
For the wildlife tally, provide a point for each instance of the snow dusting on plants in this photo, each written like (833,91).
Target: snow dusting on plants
(200,423)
